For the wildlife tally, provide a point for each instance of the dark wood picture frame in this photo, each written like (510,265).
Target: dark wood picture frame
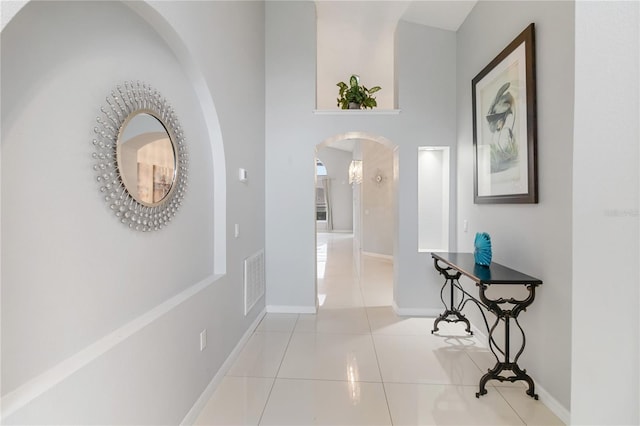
(505,126)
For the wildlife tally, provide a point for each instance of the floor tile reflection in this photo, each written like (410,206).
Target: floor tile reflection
(262,355)
(349,357)
(237,401)
(421,404)
(356,362)
(319,402)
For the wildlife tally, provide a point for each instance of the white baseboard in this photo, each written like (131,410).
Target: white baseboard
(286,309)
(553,404)
(415,312)
(545,397)
(378,255)
(208,392)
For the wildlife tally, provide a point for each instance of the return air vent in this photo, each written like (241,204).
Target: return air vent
(253,280)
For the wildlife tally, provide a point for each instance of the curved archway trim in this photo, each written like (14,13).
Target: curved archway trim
(357,135)
(149,13)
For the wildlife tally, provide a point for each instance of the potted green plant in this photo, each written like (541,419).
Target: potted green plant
(355,95)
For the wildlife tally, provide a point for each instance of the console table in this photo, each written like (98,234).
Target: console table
(454,265)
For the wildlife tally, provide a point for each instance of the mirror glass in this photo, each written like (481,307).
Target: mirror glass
(146,158)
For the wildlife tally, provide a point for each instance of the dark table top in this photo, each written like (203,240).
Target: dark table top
(492,274)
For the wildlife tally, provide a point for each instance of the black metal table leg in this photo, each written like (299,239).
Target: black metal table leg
(507,315)
(451,313)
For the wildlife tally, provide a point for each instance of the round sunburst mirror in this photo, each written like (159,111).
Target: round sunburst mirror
(141,157)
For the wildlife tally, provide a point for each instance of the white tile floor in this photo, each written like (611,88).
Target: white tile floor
(356,363)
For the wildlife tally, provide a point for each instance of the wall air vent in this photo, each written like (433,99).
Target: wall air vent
(254,284)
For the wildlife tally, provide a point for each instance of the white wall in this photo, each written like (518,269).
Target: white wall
(433,199)
(71,273)
(377,199)
(337,163)
(357,214)
(427,99)
(605,322)
(536,239)
(348,44)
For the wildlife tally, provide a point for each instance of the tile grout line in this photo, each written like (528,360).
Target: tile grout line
(510,406)
(277,371)
(495,388)
(384,388)
(375,351)
(359,279)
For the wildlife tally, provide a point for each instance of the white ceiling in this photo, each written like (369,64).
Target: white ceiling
(444,14)
(447,15)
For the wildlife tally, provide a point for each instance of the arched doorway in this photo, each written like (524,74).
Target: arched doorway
(359,185)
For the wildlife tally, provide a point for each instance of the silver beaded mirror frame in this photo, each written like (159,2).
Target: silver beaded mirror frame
(124,102)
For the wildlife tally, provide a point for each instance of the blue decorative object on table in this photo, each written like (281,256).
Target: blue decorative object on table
(482,252)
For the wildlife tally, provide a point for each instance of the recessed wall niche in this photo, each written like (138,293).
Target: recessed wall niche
(433,199)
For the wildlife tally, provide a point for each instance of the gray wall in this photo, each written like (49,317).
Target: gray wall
(71,274)
(377,199)
(426,96)
(535,239)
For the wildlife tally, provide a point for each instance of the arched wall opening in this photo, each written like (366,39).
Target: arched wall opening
(368,168)
(146,10)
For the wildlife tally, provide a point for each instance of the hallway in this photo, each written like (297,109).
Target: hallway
(356,363)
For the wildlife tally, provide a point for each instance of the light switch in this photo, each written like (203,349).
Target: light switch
(236,231)
(242,175)
(203,339)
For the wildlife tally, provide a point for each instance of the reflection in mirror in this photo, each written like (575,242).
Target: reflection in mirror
(146,158)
